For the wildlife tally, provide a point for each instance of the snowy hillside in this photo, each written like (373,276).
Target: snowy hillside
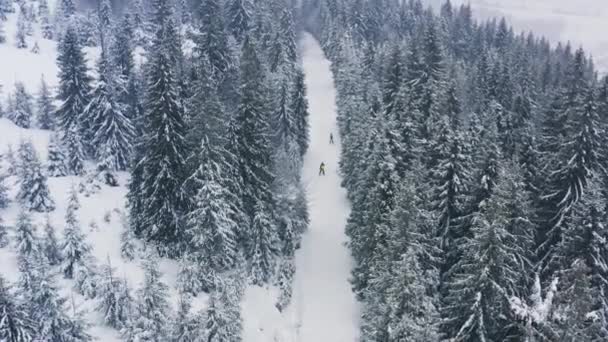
(582,22)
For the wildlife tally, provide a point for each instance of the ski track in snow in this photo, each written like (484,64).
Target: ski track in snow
(324,307)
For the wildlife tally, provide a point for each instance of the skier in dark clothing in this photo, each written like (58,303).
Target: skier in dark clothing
(331,138)
(322,169)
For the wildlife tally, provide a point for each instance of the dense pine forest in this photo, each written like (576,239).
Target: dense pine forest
(473,157)
(211,124)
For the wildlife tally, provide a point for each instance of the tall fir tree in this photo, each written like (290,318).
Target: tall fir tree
(112,129)
(495,262)
(50,244)
(15,322)
(74,247)
(56,159)
(211,231)
(22,113)
(74,91)
(163,159)
(34,193)
(45,107)
(239,18)
(153,310)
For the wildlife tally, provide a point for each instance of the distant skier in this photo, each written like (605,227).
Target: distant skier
(322,169)
(331,138)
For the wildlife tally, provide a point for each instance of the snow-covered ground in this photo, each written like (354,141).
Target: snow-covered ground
(323,304)
(582,22)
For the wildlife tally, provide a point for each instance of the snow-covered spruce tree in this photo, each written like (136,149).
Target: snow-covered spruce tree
(573,144)
(581,309)
(78,324)
(398,305)
(211,231)
(12,163)
(4,240)
(449,178)
(494,265)
(74,91)
(45,107)
(212,41)
(5,8)
(48,308)
(239,18)
(26,241)
(33,192)
(299,106)
(56,159)
(25,155)
(283,53)
(2,33)
(128,247)
(105,22)
(186,327)
(284,124)
(164,148)
(4,196)
(115,309)
(122,59)
(74,150)
(140,22)
(263,247)
(254,141)
(74,245)
(153,310)
(223,320)
(193,276)
(86,276)
(22,113)
(50,244)
(46,25)
(112,129)
(21,34)
(15,322)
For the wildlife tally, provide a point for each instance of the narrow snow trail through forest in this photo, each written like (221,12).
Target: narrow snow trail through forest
(325,308)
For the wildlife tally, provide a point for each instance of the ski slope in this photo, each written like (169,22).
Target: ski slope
(324,307)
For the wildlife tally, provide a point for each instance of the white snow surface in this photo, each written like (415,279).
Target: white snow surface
(324,306)
(581,22)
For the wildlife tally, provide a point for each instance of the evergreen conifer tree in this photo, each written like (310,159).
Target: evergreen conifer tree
(115,310)
(74,247)
(22,112)
(34,193)
(56,160)
(186,326)
(239,18)
(45,107)
(163,159)
(74,90)
(151,323)
(495,262)
(21,34)
(50,244)
(26,241)
(45,19)
(112,130)
(15,322)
